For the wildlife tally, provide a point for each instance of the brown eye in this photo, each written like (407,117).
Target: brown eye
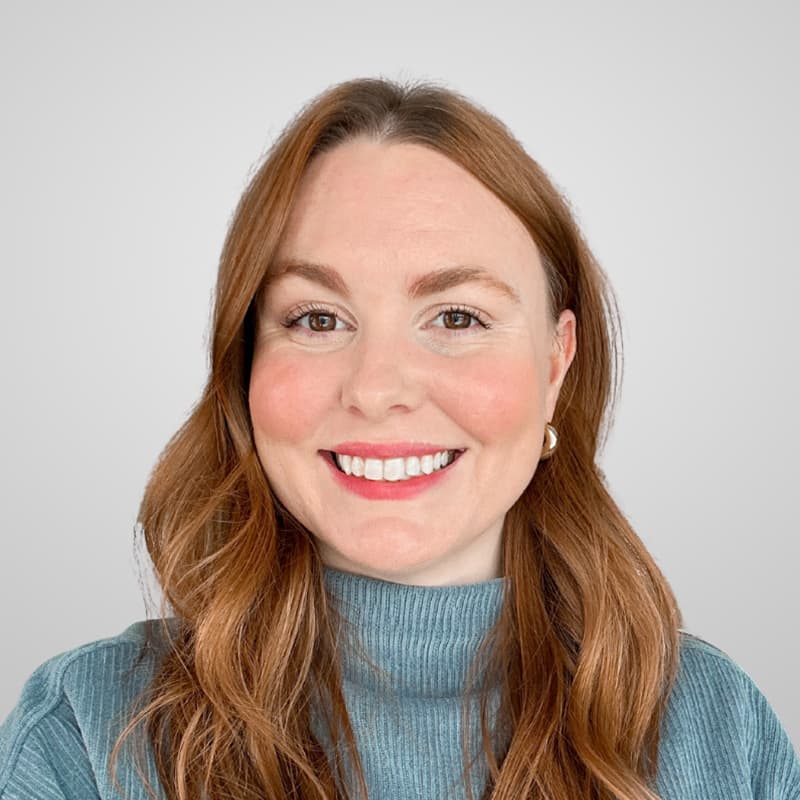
(458,319)
(461,318)
(324,321)
(328,322)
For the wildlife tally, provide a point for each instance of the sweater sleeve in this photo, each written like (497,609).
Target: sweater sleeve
(57,741)
(774,763)
(44,756)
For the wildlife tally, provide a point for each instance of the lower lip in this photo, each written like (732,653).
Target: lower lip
(388,490)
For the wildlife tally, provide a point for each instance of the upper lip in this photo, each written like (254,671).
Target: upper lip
(389,449)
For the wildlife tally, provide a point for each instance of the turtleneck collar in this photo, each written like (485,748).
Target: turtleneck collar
(425,637)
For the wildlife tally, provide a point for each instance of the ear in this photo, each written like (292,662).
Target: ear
(563,351)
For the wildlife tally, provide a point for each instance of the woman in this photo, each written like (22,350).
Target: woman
(392,566)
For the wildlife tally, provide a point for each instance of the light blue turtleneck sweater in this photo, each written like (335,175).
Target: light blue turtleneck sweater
(721,740)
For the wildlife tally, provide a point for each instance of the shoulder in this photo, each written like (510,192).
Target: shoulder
(73,705)
(710,682)
(711,687)
(721,732)
(707,670)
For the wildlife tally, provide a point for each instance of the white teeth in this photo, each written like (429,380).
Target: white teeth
(373,469)
(394,469)
(412,466)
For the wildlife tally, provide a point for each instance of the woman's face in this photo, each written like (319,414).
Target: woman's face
(374,362)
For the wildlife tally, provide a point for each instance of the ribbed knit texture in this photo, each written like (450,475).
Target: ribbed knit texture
(721,740)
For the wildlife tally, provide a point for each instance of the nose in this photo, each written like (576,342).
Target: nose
(379,376)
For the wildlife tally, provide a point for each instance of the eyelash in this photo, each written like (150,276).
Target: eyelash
(295,316)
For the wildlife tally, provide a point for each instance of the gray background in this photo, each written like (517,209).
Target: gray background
(130,130)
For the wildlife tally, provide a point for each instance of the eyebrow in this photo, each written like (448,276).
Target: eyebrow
(438,280)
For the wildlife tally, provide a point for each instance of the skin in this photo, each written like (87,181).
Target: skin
(396,369)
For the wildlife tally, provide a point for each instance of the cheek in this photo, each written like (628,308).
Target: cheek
(287,401)
(489,398)
(493,398)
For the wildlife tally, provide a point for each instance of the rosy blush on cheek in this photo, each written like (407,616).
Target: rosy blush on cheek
(288,399)
(494,399)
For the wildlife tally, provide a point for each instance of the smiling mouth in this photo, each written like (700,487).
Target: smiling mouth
(329,454)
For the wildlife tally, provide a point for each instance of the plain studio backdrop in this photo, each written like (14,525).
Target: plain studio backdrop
(130,131)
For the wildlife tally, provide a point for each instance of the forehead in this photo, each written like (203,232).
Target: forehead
(405,209)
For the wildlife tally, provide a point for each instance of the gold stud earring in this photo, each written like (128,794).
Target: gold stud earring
(550,441)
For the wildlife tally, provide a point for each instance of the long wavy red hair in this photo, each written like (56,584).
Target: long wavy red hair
(587,643)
